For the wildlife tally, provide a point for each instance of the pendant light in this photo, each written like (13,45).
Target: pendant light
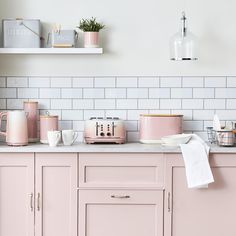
(183,44)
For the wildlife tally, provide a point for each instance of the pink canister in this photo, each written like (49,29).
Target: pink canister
(31,109)
(47,123)
(153,127)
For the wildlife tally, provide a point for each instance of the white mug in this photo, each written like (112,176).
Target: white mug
(54,138)
(69,136)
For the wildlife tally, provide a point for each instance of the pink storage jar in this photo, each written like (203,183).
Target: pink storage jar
(47,123)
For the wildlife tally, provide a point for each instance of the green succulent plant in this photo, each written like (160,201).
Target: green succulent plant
(90,25)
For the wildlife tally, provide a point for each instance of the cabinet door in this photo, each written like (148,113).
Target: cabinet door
(56,194)
(204,212)
(116,213)
(16,194)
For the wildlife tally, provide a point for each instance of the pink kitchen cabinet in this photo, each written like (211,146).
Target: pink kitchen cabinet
(120,212)
(16,194)
(56,194)
(205,212)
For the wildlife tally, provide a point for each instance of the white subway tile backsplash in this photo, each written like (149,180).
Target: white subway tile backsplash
(192,103)
(28,92)
(181,93)
(127,104)
(171,82)
(13,104)
(226,114)
(16,82)
(170,103)
(105,104)
(131,125)
(71,93)
(231,82)
(159,93)
(83,104)
(93,113)
(225,92)
(137,93)
(135,114)
(65,125)
(105,82)
(193,125)
(214,82)
(2,82)
(148,82)
(39,82)
(203,93)
(133,136)
(231,103)
(93,93)
(85,82)
(8,93)
(72,114)
(127,82)
(122,114)
(193,82)
(187,114)
(214,104)
(79,98)
(61,82)
(148,104)
(203,114)
(115,93)
(3,104)
(49,93)
(78,125)
(61,104)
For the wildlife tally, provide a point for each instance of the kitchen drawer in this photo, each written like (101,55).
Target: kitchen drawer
(121,170)
(116,212)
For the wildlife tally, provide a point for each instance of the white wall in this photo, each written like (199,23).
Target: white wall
(136,37)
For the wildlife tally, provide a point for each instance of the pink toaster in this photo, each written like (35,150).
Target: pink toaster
(104,130)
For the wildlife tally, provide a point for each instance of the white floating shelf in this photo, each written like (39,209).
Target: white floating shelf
(51,51)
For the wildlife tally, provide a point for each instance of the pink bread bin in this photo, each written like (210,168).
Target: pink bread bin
(153,127)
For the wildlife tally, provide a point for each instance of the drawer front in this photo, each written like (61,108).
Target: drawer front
(120,170)
(115,212)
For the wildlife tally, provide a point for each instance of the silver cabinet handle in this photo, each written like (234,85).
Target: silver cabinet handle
(120,196)
(31,202)
(168,202)
(38,201)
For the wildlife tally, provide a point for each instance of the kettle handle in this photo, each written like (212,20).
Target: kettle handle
(2,114)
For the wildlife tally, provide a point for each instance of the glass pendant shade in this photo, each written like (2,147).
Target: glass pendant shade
(183,45)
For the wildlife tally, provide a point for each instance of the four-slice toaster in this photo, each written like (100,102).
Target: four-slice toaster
(104,130)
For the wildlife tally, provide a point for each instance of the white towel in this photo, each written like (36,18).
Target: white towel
(198,171)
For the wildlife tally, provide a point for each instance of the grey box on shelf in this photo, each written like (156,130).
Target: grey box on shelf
(21,33)
(63,38)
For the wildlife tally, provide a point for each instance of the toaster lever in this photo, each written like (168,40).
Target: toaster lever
(96,128)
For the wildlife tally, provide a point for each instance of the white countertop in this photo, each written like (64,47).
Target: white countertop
(128,147)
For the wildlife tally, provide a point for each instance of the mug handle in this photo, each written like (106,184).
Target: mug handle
(75,135)
(2,114)
(58,137)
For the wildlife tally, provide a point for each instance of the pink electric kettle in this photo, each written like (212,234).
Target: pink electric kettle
(16,128)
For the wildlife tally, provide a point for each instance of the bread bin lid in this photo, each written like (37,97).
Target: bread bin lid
(160,115)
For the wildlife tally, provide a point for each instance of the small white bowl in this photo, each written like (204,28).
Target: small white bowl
(177,139)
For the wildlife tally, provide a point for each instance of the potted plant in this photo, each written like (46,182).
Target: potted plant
(91,29)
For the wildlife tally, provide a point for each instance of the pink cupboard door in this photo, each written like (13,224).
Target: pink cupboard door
(120,213)
(56,194)
(16,194)
(205,212)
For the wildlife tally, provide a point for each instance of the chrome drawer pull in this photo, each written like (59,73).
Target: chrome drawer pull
(38,202)
(31,202)
(120,196)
